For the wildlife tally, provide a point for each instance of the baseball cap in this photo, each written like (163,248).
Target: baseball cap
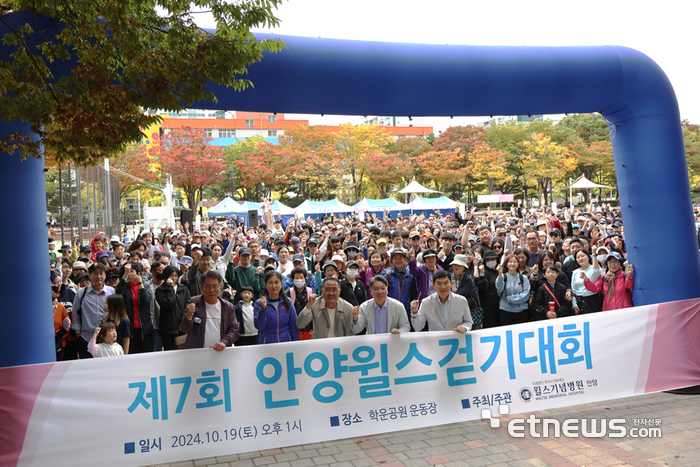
(185,260)
(330,263)
(429,253)
(398,251)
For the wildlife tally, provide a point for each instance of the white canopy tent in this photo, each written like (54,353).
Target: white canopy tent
(415,187)
(582,183)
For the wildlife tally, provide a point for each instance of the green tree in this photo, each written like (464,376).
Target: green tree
(691,139)
(509,137)
(117,59)
(589,128)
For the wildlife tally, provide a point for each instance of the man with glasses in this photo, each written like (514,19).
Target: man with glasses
(210,321)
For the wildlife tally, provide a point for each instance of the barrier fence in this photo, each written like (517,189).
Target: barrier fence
(81,201)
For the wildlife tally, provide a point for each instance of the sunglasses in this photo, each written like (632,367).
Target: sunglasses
(497,246)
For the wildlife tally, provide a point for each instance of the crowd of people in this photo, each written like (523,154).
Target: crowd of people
(227,284)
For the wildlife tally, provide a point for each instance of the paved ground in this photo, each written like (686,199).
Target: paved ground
(476,443)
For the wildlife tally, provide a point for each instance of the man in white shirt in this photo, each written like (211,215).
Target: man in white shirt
(330,314)
(210,321)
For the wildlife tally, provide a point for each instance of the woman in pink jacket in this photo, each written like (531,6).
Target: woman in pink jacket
(615,284)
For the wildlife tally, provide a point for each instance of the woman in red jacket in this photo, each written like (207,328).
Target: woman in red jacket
(615,284)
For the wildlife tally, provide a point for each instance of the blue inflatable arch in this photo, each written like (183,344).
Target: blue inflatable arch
(368,78)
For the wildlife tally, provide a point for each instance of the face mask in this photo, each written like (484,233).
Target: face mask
(160,277)
(352,273)
(602,258)
(299,283)
(491,264)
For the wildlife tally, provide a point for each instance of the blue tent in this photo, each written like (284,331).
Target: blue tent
(377,206)
(279,211)
(316,209)
(427,206)
(227,207)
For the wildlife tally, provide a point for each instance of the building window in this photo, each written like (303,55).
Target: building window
(208,132)
(227,133)
(272,118)
(272,133)
(250,123)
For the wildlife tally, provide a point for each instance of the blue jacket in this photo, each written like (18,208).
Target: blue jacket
(514,293)
(274,325)
(400,289)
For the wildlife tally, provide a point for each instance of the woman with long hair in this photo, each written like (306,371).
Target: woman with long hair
(172,299)
(514,291)
(275,316)
(376,266)
(116,314)
(550,299)
(584,300)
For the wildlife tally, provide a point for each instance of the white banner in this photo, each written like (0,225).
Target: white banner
(495,198)
(168,406)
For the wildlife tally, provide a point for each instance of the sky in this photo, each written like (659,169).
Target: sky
(664,31)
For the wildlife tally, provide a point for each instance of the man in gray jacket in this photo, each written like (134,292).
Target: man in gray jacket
(326,310)
(381,314)
(443,310)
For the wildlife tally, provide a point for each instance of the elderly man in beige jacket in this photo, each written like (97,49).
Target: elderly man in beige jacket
(330,314)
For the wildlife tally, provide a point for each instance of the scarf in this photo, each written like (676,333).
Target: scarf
(456,281)
(610,282)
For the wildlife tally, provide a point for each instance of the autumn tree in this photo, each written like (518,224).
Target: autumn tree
(386,170)
(445,168)
(356,144)
(186,154)
(489,164)
(465,138)
(137,161)
(409,149)
(312,149)
(84,76)
(595,160)
(263,170)
(546,162)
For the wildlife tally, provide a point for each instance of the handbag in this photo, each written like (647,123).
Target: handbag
(180,341)
(478,316)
